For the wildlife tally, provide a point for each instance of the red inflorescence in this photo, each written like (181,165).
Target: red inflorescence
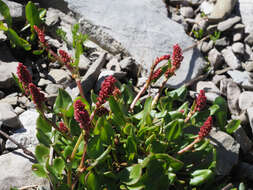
(159,59)
(23,75)
(37,96)
(107,89)
(40,33)
(201,100)
(65,56)
(206,128)
(62,127)
(81,115)
(101,111)
(177,56)
(156,74)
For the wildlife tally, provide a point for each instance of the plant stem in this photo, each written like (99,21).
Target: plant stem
(190,146)
(76,146)
(155,100)
(26,151)
(81,166)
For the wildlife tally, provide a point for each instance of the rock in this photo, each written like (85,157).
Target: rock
(244,170)
(238,48)
(202,22)
(227,151)
(222,42)
(207,7)
(8,65)
(215,58)
(243,117)
(26,135)
(89,79)
(117,29)
(223,85)
(205,47)
(53,88)
(222,9)
(8,116)
(52,16)
(18,172)
(106,73)
(141,81)
(249,52)
(128,64)
(19,110)
(17,10)
(239,26)
(250,116)
(227,24)
(43,82)
(113,65)
(246,9)
(246,100)
(217,78)
(84,64)
(211,91)
(233,93)
(248,66)
(187,12)
(3,37)
(59,76)
(242,78)
(249,39)
(230,58)
(242,138)
(237,37)
(2,94)
(10,99)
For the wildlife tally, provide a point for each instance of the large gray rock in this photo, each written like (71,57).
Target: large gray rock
(227,24)
(7,116)
(233,93)
(139,28)
(227,151)
(242,138)
(8,65)
(246,100)
(16,171)
(246,12)
(27,134)
(230,58)
(242,78)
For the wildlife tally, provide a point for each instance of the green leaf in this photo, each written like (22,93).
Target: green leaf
(131,147)
(4,10)
(43,138)
(101,158)
(115,108)
(41,153)
(19,84)
(104,129)
(173,162)
(20,42)
(3,27)
(214,108)
(43,125)
(174,129)
(39,170)
(146,111)
(93,97)
(38,52)
(62,101)
(178,94)
(75,129)
(93,181)
(221,114)
(32,15)
(232,126)
(201,176)
(95,147)
(67,151)
(242,186)
(58,165)
(131,175)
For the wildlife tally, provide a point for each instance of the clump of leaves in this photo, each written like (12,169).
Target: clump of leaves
(198,33)
(215,36)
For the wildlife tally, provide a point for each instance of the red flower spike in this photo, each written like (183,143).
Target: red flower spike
(101,111)
(206,128)
(156,74)
(65,56)
(177,56)
(23,74)
(62,127)
(107,89)
(37,96)
(159,59)
(40,33)
(81,115)
(201,100)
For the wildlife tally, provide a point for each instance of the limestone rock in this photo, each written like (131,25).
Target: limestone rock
(233,93)
(8,117)
(230,58)
(246,12)
(246,100)
(227,24)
